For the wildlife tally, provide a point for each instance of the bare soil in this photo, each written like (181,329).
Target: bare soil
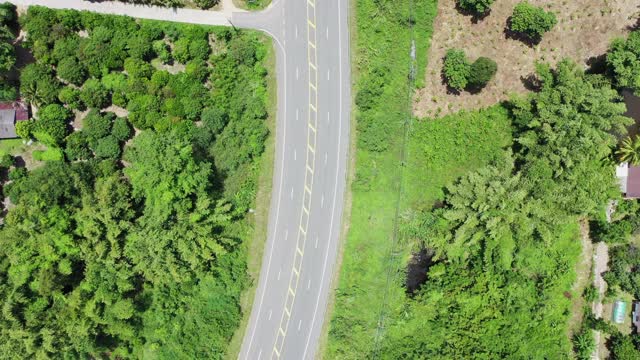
(584,30)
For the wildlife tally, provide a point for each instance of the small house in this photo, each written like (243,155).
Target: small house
(10,113)
(629,180)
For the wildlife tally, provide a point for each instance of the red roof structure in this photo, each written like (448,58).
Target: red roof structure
(22,111)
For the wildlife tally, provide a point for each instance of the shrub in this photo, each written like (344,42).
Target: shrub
(51,126)
(108,148)
(72,71)
(206,4)
(121,129)
(7,160)
(214,120)
(8,92)
(482,70)
(181,50)
(161,48)
(51,154)
(138,68)
(96,126)
(199,49)
(94,94)
(476,6)
(531,21)
(24,129)
(456,69)
(77,147)
(17,174)
(71,97)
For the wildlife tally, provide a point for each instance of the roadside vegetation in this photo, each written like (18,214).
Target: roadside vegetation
(489,203)
(129,239)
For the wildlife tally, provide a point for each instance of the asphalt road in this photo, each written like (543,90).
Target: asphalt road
(310,175)
(312,140)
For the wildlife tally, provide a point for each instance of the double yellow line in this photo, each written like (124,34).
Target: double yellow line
(312,125)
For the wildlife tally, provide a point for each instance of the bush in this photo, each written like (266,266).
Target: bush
(108,148)
(71,97)
(8,92)
(583,344)
(24,129)
(94,94)
(138,68)
(121,129)
(72,71)
(476,6)
(456,69)
(482,70)
(51,154)
(17,174)
(77,146)
(161,48)
(531,21)
(181,50)
(199,49)
(52,124)
(7,160)
(96,126)
(206,4)
(214,120)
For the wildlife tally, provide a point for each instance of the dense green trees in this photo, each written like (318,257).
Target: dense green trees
(136,251)
(504,247)
(623,61)
(629,150)
(531,20)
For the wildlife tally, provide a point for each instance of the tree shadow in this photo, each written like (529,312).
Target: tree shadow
(597,64)
(450,90)
(531,82)
(475,16)
(523,38)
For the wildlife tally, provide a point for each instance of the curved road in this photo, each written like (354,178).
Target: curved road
(314,101)
(312,139)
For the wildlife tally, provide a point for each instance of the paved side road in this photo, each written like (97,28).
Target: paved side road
(140,11)
(312,137)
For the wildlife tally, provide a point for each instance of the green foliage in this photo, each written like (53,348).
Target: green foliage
(531,20)
(456,69)
(72,71)
(108,147)
(121,129)
(622,260)
(584,344)
(71,97)
(181,50)
(623,61)
(7,56)
(624,347)
(77,146)
(206,4)
(94,94)
(38,85)
(476,6)
(150,262)
(52,125)
(6,160)
(161,48)
(51,154)
(482,71)
(24,129)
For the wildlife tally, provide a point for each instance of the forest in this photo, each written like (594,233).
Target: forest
(129,239)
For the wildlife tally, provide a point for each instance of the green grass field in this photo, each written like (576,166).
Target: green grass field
(438,151)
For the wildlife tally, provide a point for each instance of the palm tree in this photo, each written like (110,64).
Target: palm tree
(629,150)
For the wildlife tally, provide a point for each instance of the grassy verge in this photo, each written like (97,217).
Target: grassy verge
(259,220)
(382,45)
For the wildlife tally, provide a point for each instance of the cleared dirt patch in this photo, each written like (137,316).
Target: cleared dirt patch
(584,31)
